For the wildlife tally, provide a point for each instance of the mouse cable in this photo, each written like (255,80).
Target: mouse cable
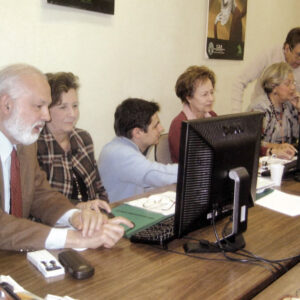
(276,261)
(234,250)
(219,259)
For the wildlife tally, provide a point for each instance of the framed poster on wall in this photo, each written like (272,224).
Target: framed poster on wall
(226,27)
(104,6)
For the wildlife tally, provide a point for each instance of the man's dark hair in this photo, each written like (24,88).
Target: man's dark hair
(132,113)
(293,38)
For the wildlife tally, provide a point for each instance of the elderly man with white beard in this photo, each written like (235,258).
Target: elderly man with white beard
(24,191)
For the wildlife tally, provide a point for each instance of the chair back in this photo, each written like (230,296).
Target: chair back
(161,150)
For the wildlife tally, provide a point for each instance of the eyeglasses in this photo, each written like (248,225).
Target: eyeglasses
(295,54)
(159,202)
(206,94)
(288,83)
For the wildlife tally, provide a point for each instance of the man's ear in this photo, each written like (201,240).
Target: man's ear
(286,48)
(188,99)
(136,133)
(6,104)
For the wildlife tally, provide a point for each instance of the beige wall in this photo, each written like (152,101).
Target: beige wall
(138,52)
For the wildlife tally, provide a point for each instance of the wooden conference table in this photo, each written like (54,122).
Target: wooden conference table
(138,271)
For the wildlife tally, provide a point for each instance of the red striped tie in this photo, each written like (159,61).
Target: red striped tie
(15,186)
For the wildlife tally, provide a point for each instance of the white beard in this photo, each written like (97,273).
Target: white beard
(21,132)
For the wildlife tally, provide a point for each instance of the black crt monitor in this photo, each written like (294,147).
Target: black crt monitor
(217,172)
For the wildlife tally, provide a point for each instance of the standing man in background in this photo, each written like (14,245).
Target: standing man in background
(290,53)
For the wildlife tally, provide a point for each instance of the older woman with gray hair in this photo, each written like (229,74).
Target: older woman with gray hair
(281,106)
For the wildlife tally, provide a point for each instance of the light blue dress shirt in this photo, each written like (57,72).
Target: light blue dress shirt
(126,172)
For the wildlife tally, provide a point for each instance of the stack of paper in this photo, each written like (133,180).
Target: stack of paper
(263,183)
(281,202)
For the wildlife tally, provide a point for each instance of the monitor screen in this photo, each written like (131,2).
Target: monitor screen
(209,149)
(104,6)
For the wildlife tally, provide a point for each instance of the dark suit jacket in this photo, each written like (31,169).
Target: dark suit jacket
(38,199)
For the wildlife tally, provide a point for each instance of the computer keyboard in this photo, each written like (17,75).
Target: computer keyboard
(160,233)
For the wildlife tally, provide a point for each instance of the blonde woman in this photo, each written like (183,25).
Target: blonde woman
(281,106)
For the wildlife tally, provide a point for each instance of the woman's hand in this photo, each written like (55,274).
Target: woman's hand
(87,221)
(296,101)
(284,151)
(95,205)
(106,234)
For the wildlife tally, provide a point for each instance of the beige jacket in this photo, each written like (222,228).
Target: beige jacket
(39,200)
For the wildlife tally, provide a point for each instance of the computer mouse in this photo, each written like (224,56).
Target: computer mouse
(297,176)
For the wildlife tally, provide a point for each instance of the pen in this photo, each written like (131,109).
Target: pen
(9,290)
(110,215)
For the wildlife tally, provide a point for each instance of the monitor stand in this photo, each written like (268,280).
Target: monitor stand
(234,240)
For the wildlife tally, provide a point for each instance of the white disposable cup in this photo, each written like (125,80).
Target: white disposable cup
(276,173)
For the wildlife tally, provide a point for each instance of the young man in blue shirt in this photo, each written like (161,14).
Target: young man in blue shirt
(124,169)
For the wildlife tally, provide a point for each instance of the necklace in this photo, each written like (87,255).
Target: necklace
(79,195)
(278,118)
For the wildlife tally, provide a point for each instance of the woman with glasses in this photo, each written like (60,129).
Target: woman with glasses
(195,88)
(281,106)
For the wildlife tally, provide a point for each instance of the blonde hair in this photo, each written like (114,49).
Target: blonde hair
(274,75)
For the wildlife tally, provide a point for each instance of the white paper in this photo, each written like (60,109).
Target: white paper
(12,282)
(19,289)
(163,203)
(281,202)
(263,183)
(53,297)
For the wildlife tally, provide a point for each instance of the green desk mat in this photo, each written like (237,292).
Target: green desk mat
(264,193)
(142,218)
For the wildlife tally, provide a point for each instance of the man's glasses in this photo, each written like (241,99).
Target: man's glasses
(295,54)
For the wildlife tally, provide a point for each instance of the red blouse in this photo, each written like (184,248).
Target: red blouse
(174,134)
